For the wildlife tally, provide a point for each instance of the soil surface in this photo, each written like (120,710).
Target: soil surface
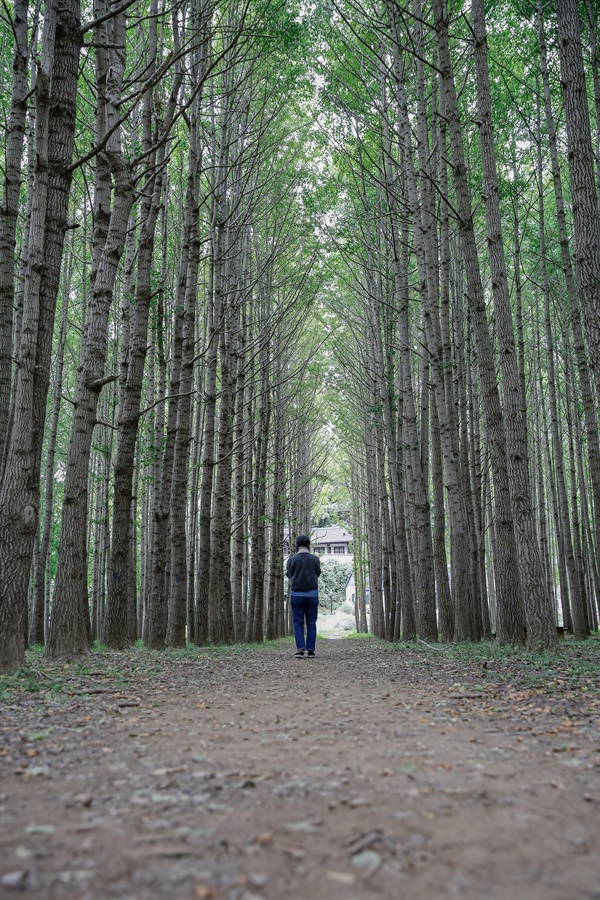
(370,771)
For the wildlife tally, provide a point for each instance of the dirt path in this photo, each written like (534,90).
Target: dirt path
(367,772)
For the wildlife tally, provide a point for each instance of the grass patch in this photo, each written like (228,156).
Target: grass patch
(29,681)
(574,666)
(190,651)
(358,635)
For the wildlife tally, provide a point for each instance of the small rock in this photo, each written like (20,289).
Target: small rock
(414,842)
(76,876)
(301,827)
(203,892)
(368,861)
(296,853)
(342,877)
(199,836)
(579,845)
(265,838)
(40,829)
(13,879)
(36,771)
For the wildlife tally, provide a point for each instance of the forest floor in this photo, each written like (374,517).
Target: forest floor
(371,771)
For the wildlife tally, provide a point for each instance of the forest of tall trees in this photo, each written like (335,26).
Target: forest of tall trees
(242,239)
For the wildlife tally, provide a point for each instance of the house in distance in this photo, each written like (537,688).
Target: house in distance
(335,541)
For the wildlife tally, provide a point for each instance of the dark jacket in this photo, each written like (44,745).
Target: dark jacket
(303,570)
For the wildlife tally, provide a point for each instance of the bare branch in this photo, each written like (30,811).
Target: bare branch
(87,26)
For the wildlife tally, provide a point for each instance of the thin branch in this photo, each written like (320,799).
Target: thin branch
(99,383)
(87,26)
(161,400)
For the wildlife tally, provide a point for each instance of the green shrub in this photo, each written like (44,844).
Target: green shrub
(332,584)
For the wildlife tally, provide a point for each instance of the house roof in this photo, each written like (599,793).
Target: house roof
(335,535)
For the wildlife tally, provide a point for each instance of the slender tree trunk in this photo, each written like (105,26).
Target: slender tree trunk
(177,608)
(563,504)
(56,93)
(509,609)
(586,217)
(574,304)
(259,499)
(221,626)
(9,210)
(538,607)
(38,624)
(424,576)
(157,612)
(203,599)
(274,600)
(115,620)
(592,21)
(240,534)
(581,626)
(70,629)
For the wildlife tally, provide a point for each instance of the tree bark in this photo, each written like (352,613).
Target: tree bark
(70,629)
(574,304)
(538,607)
(586,216)
(56,94)
(38,624)
(9,210)
(509,604)
(177,606)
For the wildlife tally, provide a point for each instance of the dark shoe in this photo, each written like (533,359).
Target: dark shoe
(299,654)
(311,652)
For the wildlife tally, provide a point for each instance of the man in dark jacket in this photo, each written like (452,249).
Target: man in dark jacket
(303,570)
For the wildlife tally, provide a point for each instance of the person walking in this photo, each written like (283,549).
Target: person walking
(303,570)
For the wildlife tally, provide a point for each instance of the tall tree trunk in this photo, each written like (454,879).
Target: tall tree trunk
(241,448)
(563,504)
(586,215)
(157,613)
(177,608)
(538,607)
(255,624)
(220,570)
(37,631)
(274,600)
(509,603)
(593,18)
(581,626)
(574,304)
(214,299)
(424,576)
(115,620)
(56,93)
(69,629)
(9,210)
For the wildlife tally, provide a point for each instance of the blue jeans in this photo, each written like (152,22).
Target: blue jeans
(305,607)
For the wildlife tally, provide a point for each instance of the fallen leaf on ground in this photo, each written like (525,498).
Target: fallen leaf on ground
(342,877)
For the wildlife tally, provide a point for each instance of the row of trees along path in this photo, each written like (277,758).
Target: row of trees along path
(242,239)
